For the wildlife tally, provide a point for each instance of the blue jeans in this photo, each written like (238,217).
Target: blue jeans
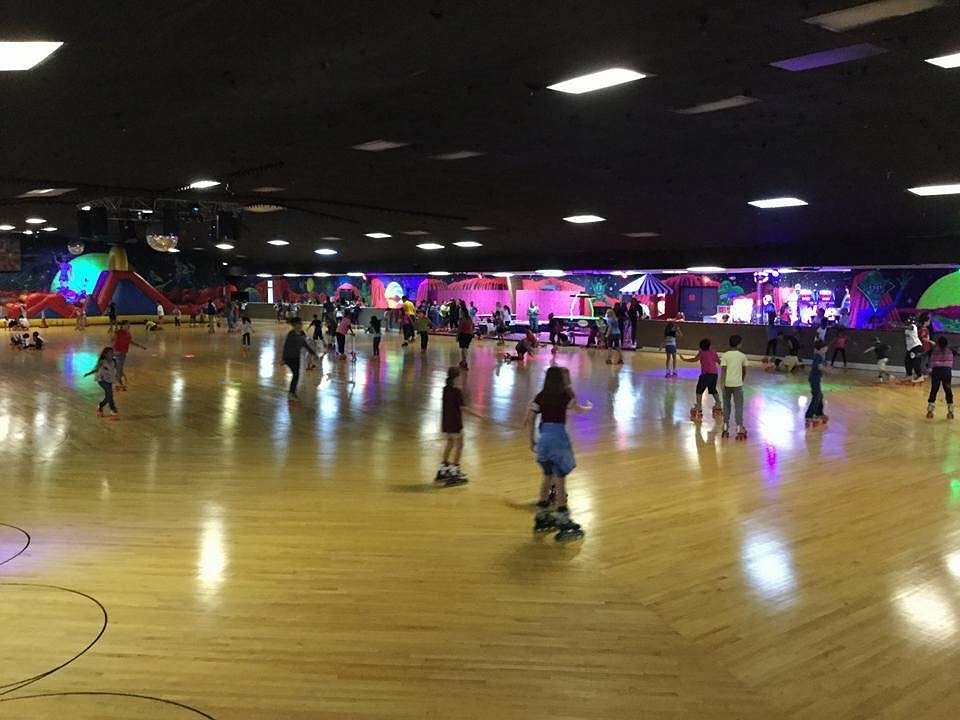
(815,407)
(107,395)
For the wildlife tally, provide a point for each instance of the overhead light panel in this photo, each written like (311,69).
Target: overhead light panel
(477,228)
(325,251)
(28,232)
(457,155)
(224,264)
(35,221)
(947,62)
(583,219)
(321,274)
(715,105)
(596,81)
(430,246)
(779,202)
(6,226)
(378,235)
(355,274)
(86,208)
(829,57)
(291,274)
(203,184)
(25,55)
(551,273)
(224,246)
(264,275)
(502,274)
(278,242)
(468,244)
(438,273)
(706,269)
(49,228)
(379,145)
(47,192)
(145,211)
(869,13)
(173,250)
(929,190)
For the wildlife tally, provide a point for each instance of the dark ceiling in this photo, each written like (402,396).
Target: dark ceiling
(145,97)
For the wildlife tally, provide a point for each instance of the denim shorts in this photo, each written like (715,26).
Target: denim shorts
(554,452)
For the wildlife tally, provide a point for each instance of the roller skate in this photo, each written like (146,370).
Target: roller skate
(442,474)
(809,424)
(455,477)
(462,365)
(544,521)
(717,412)
(696,413)
(949,412)
(930,407)
(725,432)
(567,529)
(741,433)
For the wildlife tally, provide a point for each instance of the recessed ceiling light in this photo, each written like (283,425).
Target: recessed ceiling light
(457,155)
(780,202)
(415,232)
(268,189)
(354,274)
(596,81)
(278,242)
(551,273)
(50,228)
(715,105)
(438,273)
(468,244)
(28,232)
(224,264)
(86,208)
(927,190)
(945,61)
(145,211)
(430,246)
(25,55)
(583,219)
(379,145)
(47,192)
(173,250)
(330,238)
(224,246)
(378,235)
(502,274)
(264,275)
(705,269)
(325,251)
(871,12)
(641,234)
(291,274)
(6,227)
(477,228)
(321,274)
(826,58)
(263,208)
(35,221)
(203,184)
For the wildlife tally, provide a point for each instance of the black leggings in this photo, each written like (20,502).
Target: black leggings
(341,343)
(941,376)
(424,339)
(376,345)
(842,352)
(913,364)
(294,366)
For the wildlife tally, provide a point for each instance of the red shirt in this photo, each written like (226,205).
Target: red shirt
(121,341)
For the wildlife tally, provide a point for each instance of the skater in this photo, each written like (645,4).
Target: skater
(633,315)
(670,335)
(422,325)
(554,327)
(112,316)
(122,340)
(533,317)
(451,424)
(295,342)
(343,328)
(941,372)
(881,350)
(814,415)
(160,313)
(839,348)
(525,346)
(374,329)
(709,370)
(773,334)
(912,362)
(246,330)
(316,326)
(106,372)
(176,316)
(613,338)
(553,451)
(464,338)
(733,366)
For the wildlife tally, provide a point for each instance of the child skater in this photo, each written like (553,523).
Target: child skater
(246,330)
(524,347)
(343,328)
(670,335)
(451,424)
(374,329)
(814,415)
(709,370)
(122,340)
(554,452)
(106,372)
(421,324)
(882,352)
(614,336)
(464,338)
(733,365)
(941,372)
(839,348)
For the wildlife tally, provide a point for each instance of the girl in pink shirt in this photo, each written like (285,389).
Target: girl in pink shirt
(941,372)
(709,370)
(342,329)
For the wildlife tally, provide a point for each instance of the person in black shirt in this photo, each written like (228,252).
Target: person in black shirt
(633,313)
(295,342)
(451,425)
(882,352)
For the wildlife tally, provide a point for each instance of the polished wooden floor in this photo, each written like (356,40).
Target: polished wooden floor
(245,558)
